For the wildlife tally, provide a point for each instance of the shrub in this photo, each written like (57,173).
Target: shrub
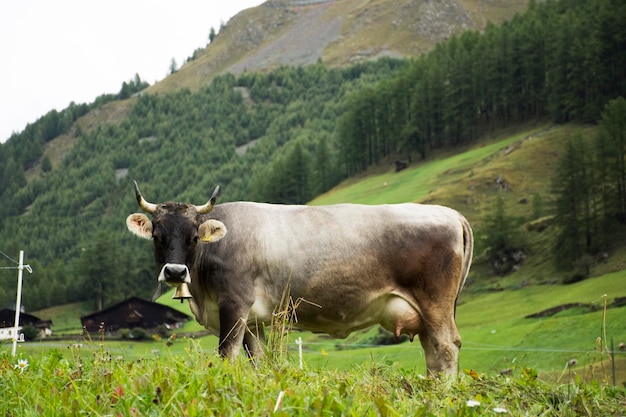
(163,331)
(136,333)
(30,332)
(139,334)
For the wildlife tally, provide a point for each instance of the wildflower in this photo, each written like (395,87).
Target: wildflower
(500,410)
(472,403)
(157,397)
(118,393)
(21,365)
(324,353)
(473,374)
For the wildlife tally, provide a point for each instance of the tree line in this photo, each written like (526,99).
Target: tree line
(561,59)
(22,150)
(588,204)
(590,190)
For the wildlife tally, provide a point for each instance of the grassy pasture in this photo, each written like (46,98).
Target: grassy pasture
(101,378)
(496,336)
(112,377)
(415,183)
(525,156)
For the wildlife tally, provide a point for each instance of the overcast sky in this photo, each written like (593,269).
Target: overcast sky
(56,52)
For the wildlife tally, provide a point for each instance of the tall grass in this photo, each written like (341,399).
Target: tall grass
(195,382)
(180,377)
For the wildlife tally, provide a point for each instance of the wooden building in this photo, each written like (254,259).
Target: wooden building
(7,318)
(134,312)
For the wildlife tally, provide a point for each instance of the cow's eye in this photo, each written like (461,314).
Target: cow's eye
(194,239)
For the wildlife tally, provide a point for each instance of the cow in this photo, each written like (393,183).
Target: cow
(353,266)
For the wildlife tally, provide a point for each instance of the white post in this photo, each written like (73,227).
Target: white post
(18,302)
(299,343)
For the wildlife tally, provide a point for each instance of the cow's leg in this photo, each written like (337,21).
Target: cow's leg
(441,343)
(233,327)
(253,340)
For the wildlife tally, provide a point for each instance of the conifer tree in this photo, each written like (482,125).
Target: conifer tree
(612,146)
(502,238)
(574,186)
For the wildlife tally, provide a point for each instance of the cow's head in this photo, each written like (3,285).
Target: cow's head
(175,229)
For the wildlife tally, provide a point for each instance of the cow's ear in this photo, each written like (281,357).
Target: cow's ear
(139,224)
(211,231)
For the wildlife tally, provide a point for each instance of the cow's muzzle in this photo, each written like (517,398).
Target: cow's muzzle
(175,274)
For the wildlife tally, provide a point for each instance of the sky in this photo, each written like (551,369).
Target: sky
(56,52)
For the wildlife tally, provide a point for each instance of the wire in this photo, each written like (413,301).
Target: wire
(476,347)
(9,258)
(26,267)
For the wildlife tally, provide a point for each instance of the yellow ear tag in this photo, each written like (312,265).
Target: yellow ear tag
(207,238)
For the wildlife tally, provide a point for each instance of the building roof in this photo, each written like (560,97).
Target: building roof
(7,319)
(133,312)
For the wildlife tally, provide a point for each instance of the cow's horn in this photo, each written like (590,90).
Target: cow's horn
(209,205)
(145,206)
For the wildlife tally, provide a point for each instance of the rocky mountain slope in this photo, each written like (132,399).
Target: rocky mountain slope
(337,32)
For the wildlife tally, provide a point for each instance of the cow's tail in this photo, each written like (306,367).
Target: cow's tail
(468,252)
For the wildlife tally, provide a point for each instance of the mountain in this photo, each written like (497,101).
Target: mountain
(335,32)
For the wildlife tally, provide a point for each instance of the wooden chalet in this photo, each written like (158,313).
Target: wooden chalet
(7,318)
(134,312)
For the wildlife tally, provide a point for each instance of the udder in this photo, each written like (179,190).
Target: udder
(400,317)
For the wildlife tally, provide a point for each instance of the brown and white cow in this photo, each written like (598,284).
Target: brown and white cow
(401,266)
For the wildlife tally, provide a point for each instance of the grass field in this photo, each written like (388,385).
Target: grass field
(184,376)
(191,382)
(496,336)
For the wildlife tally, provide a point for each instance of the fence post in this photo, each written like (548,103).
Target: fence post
(299,343)
(613,362)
